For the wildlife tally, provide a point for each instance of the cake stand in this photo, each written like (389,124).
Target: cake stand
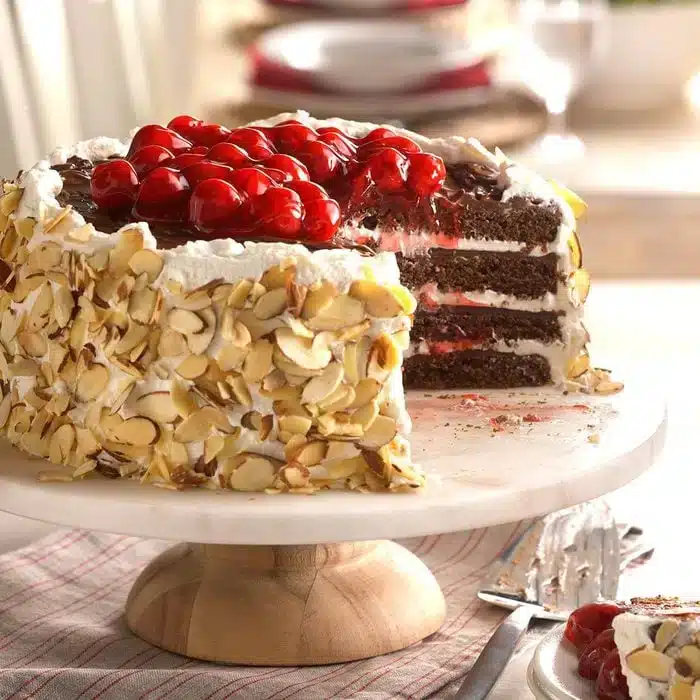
(288,579)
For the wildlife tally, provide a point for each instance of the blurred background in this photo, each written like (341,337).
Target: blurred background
(601,94)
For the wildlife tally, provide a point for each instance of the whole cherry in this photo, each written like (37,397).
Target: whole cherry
(213,205)
(114,184)
(209,134)
(252,141)
(291,168)
(594,654)
(205,170)
(156,135)
(184,160)
(321,219)
(611,683)
(184,125)
(388,169)
(426,173)
(586,623)
(322,162)
(149,157)
(377,134)
(250,182)
(400,143)
(289,136)
(279,211)
(229,154)
(162,196)
(339,143)
(308,191)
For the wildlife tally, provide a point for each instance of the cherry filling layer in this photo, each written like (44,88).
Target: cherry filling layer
(288,181)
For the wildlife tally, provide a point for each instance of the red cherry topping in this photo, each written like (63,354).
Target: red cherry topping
(230,154)
(400,143)
(377,134)
(611,683)
(288,137)
(340,144)
(586,623)
(114,184)
(321,160)
(200,150)
(308,191)
(149,157)
(205,170)
(388,169)
(184,160)
(594,654)
(251,182)
(253,141)
(321,220)
(163,196)
(279,211)
(209,134)
(291,167)
(184,125)
(426,173)
(154,135)
(213,205)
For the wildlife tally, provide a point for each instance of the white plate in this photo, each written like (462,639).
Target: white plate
(552,672)
(368,5)
(476,478)
(367,56)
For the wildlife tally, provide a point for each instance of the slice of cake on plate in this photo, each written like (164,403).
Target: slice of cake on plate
(200,306)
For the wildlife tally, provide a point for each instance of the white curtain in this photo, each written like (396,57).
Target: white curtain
(72,69)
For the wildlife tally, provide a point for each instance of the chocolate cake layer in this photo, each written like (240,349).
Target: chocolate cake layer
(473,270)
(473,369)
(485,323)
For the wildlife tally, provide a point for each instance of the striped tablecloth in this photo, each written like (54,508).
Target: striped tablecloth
(63,634)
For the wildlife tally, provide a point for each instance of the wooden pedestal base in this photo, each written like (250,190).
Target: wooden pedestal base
(284,606)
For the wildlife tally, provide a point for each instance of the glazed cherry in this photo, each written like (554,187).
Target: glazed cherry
(308,191)
(611,683)
(252,141)
(229,154)
(400,143)
(149,157)
(289,136)
(322,161)
(321,219)
(184,125)
(289,166)
(184,160)
(163,196)
(339,143)
(388,169)
(426,174)
(155,135)
(205,170)
(209,134)
(377,134)
(213,205)
(586,623)
(594,654)
(279,211)
(114,184)
(251,182)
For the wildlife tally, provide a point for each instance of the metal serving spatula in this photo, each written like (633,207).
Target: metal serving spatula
(561,562)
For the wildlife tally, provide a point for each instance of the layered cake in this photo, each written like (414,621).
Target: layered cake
(647,649)
(201,306)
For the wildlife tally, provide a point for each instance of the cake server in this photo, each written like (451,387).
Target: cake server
(563,561)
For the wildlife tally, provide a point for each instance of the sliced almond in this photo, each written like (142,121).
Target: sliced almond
(344,468)
(319,388)
(296,296)
(158,406)
(665,634)
(193,366)
(239,294)
(135,335)
(404,297)
(311,453)
(196,427)
(254,473)
(307,354)
(270,304)
(650,664)
(136,431)
(384,357)
(575,250)
(579,365)
(184,321)
(365,391)
(63,306)
(213,446)
(681,690)
(199,342)
(339,400)
(34,344)
(381,432)
(297,425)
(276,277)
(92,382)
(235,330)
(342,312)
(366,415)
(130,241)
(258,362)
(318,298)
(379,464)
(182,400)
(295,475)
(580,285)
(171,343)
(294,374)
(378,300)
(10,201)
(146,262)
(142,305)
(231,357)
(61,444)
(240,390)
(691,655)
